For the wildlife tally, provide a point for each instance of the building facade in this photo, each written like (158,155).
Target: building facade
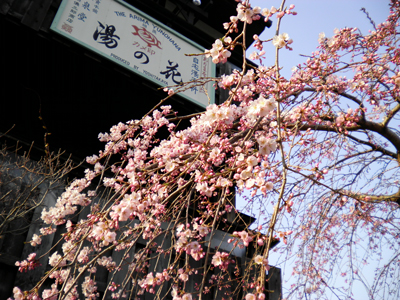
(59,83)
(60,91)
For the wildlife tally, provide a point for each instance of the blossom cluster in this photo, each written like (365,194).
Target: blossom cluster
(218,52)
(221,260)
(186,241)
(282,40)
(29,264)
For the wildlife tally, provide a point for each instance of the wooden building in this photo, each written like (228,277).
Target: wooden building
(78,93)
(55,87)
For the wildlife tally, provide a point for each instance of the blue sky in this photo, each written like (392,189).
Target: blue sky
(315,16)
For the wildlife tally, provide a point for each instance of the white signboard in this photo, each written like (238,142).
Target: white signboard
(136,41)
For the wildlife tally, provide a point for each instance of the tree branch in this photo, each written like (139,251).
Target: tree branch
(304,127)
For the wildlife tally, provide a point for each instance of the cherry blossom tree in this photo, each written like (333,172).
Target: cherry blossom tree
(316,154)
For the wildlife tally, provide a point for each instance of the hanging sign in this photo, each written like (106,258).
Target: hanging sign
(136,41)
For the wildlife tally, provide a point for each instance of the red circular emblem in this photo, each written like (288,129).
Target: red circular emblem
(147,37)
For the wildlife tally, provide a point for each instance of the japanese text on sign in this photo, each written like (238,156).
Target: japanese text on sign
(136,41)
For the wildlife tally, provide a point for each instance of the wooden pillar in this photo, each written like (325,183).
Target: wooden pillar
(274,284)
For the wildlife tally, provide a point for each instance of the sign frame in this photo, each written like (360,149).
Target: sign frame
(174,38)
